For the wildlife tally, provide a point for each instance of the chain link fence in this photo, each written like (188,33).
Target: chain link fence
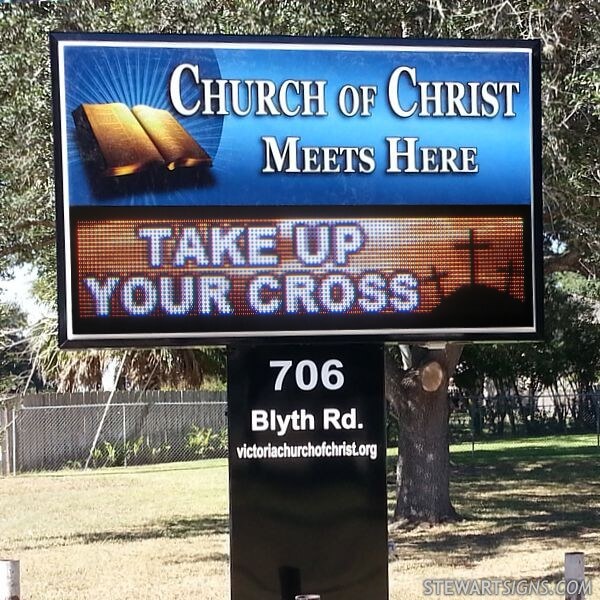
(57,431)
(477,418)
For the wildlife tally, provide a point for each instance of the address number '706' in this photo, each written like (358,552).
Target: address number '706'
(308,375)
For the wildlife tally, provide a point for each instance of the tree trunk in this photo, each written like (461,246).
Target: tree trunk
(417,388)
(511,417)
(423,471)
(476,415)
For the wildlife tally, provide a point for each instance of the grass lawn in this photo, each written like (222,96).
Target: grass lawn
(525,503)
(162,531)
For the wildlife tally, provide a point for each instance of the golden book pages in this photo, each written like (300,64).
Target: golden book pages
(174,143)
(122,143)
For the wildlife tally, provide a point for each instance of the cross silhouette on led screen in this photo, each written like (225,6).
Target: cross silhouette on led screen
(509,271)
(472,246)
(436,277)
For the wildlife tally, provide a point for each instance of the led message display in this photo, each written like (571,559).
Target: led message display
(216,188)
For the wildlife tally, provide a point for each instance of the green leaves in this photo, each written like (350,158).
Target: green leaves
(571,88)
(569,31)
(14,363)
(569,353)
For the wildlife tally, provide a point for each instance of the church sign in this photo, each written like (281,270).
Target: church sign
(212,189)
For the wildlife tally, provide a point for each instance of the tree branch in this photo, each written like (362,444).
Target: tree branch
(567,261)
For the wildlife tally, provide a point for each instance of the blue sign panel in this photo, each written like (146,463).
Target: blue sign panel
(169,146)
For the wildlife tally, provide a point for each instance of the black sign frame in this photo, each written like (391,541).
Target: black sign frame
(68,338)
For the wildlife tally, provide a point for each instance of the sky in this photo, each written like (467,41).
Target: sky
(18,290)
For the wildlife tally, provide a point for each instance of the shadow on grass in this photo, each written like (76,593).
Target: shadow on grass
(196,559)
(154,469)
(536,497)
(179,528)
(170,529)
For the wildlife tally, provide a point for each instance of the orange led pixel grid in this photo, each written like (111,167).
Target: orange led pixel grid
(339,266)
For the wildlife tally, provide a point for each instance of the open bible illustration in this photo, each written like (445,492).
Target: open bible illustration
(117,140)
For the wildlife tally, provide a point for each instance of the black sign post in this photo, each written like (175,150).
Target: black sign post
(307,472)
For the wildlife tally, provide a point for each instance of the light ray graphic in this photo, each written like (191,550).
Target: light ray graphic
(109,69)
(133,76)
(153,93)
